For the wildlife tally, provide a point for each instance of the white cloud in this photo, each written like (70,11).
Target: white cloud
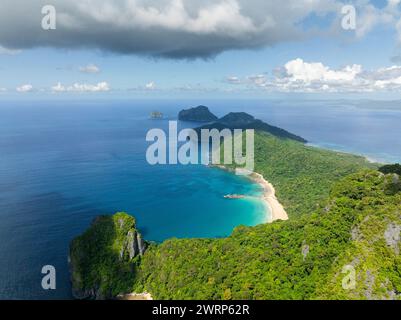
(167,28)
(390,84)
(7,51)
(150,86)
(369,16)
(183,28)
(224,16)
(90,68)
(233,80)
(300,76)
(58,88)
(82,87)
(2,90)
(25,88)
(258,79)
(298,70)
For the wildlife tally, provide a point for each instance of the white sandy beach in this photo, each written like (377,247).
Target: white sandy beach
(276,209)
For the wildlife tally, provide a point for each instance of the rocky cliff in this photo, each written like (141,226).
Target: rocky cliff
(103,260)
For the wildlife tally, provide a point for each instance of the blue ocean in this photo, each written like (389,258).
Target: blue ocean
(62,163)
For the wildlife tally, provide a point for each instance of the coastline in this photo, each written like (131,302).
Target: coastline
(275,210)
(368,158)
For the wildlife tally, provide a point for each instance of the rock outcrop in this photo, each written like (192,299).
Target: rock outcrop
(103,259)
(134,245)
(198,114)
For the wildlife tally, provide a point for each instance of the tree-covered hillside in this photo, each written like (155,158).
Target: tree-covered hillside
(103,259)
(302,175)
(243,120)
(344,219)
(302,258)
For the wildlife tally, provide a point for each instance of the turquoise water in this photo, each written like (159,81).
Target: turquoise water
(63,163)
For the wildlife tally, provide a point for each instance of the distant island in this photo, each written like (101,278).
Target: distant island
(156,115)
(233,120)
(344,214)
(198,114)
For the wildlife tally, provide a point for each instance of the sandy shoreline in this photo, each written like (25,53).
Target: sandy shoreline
(276,209)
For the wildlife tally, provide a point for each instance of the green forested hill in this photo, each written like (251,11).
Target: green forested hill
(243,120)
(343,214)
(302,258)
(302,175)
(103,258)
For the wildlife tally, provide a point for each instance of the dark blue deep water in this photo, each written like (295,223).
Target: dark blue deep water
(63,163)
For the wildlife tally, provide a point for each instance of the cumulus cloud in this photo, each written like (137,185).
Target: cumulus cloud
(298,70)
(90,68)
(166,28)
(300,76)
(24,88)
(181,28)
(82,87)
(369,16)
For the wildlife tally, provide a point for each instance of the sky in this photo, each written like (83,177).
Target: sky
(191,48)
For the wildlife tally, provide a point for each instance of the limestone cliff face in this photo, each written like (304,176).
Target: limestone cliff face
(103,259)
(134,245)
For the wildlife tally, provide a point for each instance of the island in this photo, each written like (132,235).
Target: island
(243,120)
(343,219)
(156,115)
(198,114)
